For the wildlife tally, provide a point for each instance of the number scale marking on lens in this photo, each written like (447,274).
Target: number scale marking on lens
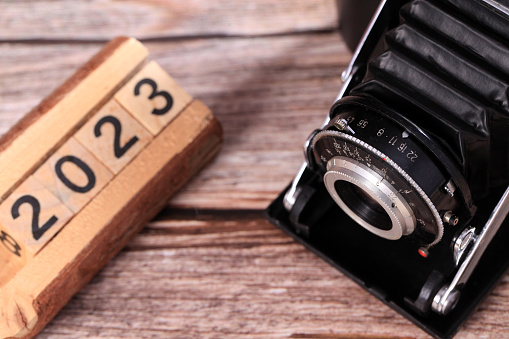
(357,150)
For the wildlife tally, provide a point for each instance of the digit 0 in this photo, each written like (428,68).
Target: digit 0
(167,96)
(81,165)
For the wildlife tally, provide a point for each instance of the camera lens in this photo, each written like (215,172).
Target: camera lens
(363,205)
(382,174)
(365,197)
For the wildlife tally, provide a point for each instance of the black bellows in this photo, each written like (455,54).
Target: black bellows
(445,68)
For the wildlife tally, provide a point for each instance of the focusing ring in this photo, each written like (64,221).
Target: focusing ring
(401,198)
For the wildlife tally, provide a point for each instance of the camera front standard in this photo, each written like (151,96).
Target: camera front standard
(405,186)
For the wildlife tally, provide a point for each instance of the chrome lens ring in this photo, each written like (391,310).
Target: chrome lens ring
(349,170)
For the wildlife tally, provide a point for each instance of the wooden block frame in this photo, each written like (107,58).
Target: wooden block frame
(100,228)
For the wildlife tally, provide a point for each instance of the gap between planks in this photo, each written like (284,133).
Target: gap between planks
(174,38)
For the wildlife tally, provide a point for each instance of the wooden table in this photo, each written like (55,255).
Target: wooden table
(210,265)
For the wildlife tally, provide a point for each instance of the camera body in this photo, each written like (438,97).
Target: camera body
(403,188)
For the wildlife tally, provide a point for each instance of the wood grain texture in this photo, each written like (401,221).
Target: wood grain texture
(155,19)
(231,274)
(70,84)
(40,133)
(268,93)
(9,267)
(210,266)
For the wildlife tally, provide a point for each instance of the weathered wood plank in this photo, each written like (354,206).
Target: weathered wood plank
(103,20)
(227,274)
(268,92)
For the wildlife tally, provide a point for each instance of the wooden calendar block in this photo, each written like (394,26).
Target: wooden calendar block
(104,226)
(31,216)
(9,267)
(153,97)
(113,136)
(84,172)
(24,147)
(73,175)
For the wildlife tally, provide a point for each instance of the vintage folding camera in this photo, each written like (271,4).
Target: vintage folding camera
(405,186)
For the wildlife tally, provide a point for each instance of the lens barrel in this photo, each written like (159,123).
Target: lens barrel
(385,173)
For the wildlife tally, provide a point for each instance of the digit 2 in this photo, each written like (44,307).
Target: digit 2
(37,231)
(167,96)
(118,150)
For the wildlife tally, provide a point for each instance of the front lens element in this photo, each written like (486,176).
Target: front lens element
(363,205)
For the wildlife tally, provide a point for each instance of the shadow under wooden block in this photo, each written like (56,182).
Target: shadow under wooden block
(153,97)
(73,175)
(30,217)
(113,136)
